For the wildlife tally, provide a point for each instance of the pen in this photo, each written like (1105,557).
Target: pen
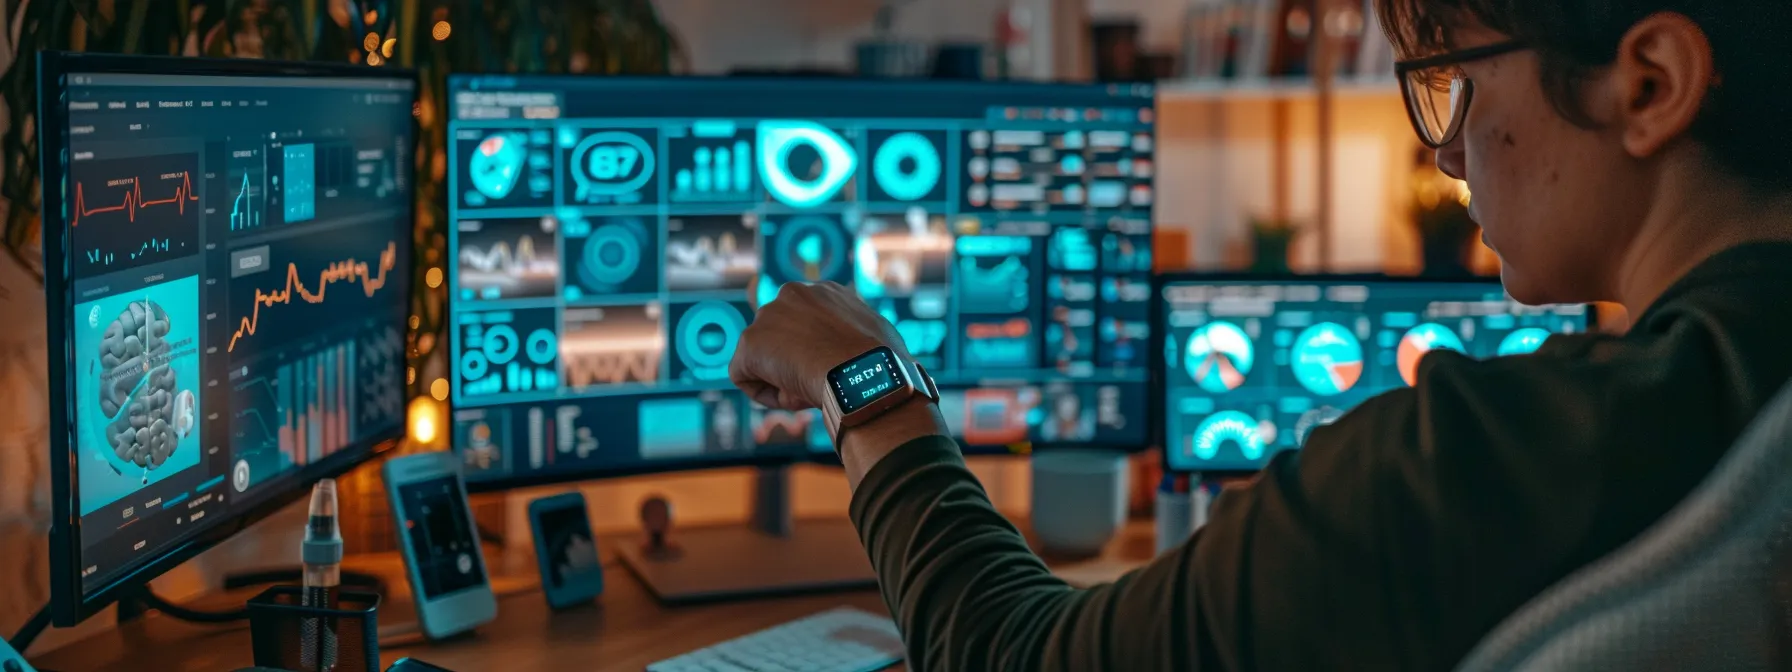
(321,556)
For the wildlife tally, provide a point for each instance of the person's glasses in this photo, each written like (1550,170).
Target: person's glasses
(1437,93)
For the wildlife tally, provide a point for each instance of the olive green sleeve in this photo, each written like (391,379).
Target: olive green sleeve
(968,594)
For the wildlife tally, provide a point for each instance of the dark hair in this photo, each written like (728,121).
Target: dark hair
(1746,122)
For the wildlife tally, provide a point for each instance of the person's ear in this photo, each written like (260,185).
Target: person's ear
(1660,78)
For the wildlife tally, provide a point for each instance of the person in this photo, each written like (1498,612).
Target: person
(1631,151)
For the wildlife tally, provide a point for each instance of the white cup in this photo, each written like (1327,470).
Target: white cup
(1079,499)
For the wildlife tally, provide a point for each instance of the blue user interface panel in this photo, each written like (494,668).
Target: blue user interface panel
(612,236)
(1253,367)
(237,267)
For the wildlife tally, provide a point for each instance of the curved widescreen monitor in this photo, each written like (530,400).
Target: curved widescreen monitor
(1248,367)
(610,236)
(227,253)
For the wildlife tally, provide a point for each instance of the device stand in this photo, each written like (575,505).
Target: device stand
(771,555)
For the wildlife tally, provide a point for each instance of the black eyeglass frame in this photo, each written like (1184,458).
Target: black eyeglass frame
(1404,68)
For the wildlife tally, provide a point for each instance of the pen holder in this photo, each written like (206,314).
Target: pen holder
(288,635)
(1175,519)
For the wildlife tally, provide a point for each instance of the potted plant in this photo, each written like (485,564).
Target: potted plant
(1440,216)
(1271,239)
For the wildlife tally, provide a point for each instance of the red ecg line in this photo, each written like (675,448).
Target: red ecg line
(133,200)
(347,269)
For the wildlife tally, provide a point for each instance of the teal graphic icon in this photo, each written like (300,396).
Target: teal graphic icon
(1225,427)
(1523,342)
(1327,359)
(1218,357)
(837,163)
(907,166)
(610,163)
(497,163)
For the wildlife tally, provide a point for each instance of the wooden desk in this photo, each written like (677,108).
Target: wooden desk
(625,630)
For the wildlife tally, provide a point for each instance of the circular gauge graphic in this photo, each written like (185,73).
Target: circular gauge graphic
(1420,340)
(1314,419)
(1218,357)
(497,163)
(1225,427)
(1327,359)
(1523,342)
(810,249)
(612,254)
(706,337)
(907,166)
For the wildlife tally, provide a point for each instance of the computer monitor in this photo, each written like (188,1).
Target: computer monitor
(227,254)
(610,236)
(1250,366)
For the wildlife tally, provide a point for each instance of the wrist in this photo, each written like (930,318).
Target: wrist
(862,446)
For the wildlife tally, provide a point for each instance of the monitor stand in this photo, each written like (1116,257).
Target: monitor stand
(769,556)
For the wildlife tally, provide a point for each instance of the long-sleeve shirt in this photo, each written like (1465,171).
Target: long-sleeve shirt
(1396,538)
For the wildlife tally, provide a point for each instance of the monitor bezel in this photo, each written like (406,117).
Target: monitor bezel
(801,453)
(69,604)
(1159,372)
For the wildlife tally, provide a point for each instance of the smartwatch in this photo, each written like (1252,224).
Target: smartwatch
(870,385)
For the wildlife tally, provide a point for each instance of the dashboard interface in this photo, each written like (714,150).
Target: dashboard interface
(612,236)
(1252,367)
(236,271)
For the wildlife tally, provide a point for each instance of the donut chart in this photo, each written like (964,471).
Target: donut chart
(1327,359)
(810,249)
(612,253)
(1523,342)
(907,167)
(706,337)
(1420,340)
(1226,427)
(1218,357)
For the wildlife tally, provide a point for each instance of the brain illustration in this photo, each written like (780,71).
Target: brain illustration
(137,386)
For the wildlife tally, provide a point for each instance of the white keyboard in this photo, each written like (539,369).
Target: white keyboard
(838,640)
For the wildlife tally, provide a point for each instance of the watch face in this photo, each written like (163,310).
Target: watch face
(865,379)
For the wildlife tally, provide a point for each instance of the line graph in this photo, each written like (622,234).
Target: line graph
(371,278)
(133,211)
(508,258)
(133,199)
(244,212)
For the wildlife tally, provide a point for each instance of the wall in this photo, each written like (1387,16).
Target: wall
(721,35)
(1216,159)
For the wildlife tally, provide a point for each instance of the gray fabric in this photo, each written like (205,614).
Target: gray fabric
(1707,588)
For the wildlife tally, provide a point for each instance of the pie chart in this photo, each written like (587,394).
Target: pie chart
(1218,357)
(497,163)
(1327,359)
(1422,339)
(1225,427)
(1523,342)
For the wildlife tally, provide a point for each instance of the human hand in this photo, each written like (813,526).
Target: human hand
(783,358)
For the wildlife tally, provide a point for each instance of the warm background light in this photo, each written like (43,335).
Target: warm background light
(439,389)
(441,30)
(424,423)
(433,277)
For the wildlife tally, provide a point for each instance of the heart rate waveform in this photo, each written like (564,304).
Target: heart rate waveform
(134,199)
(507,259)
(130,212)
(370,277)
(612,345)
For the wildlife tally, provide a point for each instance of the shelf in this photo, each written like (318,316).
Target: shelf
(1198,90)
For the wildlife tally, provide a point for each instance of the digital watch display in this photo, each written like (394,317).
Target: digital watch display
(871,384)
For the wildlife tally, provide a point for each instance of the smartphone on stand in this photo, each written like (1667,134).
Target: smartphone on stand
(440,544)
